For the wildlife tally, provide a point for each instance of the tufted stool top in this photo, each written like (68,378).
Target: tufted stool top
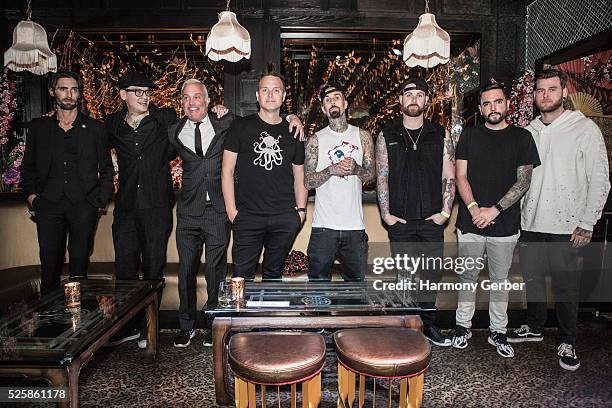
(383,352)
(276,358)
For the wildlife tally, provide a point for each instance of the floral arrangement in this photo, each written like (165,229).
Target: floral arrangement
(295,263)
(520,112)
(9,161)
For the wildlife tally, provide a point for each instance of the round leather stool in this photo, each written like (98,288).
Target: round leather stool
(276,359)
(390,353)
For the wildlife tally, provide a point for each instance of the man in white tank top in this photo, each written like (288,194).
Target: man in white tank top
(339,158)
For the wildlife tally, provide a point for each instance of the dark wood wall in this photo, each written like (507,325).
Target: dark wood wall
(500,24)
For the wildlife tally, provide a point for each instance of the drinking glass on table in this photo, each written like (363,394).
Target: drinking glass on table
(225,294)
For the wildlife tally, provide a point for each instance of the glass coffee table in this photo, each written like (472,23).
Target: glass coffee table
(48,340)
(320,305)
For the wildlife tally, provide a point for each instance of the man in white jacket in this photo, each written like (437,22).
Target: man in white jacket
(565,200)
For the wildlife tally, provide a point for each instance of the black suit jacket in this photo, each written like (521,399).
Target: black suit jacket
(44,146)
(150,162)
(201,175)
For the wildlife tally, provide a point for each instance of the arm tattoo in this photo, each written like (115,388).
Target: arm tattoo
(366,171)
(382,171)
(581,232)
(312,178)
(523,178)
(448,174)
(448,194)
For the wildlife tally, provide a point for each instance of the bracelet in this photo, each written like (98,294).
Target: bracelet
(470,205)
(300,209)
(445,214)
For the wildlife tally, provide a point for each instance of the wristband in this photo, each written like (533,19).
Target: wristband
(300,209)
(445,214)
(470,205)
(499,208)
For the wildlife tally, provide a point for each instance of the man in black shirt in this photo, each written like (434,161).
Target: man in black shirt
(494,165)
(67,175)
(415,164)
(267,203)
(143,204)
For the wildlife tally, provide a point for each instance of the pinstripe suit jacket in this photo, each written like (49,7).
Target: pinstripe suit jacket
(201,175)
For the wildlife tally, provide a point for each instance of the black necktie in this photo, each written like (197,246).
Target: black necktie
(198,140)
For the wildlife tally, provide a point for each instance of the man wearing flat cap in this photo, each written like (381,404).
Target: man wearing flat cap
(339,159)
(415,163)
(143,204)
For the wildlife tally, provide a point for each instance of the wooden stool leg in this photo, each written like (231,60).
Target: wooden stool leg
(263,396)
(306,394)
(342,373)
(361,390)
(315,391)
(293,397)
(403,392)
(240,393)
(415,391)
(251,392)
(350,378)
(374,395)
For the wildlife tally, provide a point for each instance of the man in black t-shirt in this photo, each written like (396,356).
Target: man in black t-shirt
(262,179)
(493,171)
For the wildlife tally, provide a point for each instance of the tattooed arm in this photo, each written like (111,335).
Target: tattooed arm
(365,172)
(448,180)
(523,179)
(312,178)
(382,182)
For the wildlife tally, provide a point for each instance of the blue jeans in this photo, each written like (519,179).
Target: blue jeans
(351,248)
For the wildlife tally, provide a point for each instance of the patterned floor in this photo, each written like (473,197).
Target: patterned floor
(474,377)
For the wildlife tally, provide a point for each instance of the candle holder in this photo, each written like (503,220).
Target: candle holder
(72,294)
(238,290)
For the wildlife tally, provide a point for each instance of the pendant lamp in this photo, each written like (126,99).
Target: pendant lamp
(227,39)
(30,50)
(428,45)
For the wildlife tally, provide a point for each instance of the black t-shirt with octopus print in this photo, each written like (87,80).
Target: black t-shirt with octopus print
(264,171)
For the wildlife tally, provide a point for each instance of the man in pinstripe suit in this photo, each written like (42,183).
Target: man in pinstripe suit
(201,219)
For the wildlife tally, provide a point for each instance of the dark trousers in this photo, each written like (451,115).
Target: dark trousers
(211,229)
(351,248)
(55,220)
(417,238)
(141,237)
(541,253)
(274,232)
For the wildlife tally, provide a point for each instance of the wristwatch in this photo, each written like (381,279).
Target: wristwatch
(499,208)
(300,209)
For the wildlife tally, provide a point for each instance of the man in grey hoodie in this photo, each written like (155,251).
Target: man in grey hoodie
(565,200)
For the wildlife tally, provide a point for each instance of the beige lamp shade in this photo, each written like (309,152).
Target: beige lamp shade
(30,50)
(428,45)
(228,40)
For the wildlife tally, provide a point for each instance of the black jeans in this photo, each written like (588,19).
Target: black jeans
(274,232)
(553,253)
(421,238)
(53,221)
(141,236)
(351,248)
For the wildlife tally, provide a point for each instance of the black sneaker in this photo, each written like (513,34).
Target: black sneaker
(433,335)
(498,340)
(567,357)
(122,336)
(183,338)
(524,334)
(461,337)
(208,338)
(142,340)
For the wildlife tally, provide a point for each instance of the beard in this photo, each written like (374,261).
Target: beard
(501,117)
(552,107)
(410,111)
(334,112)
(66,104)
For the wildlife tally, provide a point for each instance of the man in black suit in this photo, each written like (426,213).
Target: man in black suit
(143,205)
(198,138)
(67,176)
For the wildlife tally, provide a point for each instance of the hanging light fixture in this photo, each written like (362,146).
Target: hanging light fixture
(227,39)
(30,50)
(428,45)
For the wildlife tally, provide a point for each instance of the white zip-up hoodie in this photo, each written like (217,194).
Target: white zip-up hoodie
(571,186)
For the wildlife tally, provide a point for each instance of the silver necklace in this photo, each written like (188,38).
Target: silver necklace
(414,142)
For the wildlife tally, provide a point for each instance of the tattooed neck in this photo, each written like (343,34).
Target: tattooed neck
(134,121)
(338,124)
